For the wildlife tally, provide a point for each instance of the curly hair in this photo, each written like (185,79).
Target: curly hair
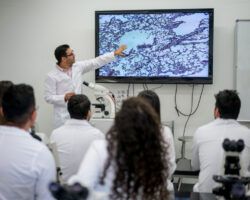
(137,151)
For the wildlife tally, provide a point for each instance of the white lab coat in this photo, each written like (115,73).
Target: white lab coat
(58,83)
(94,161)
(26,166)
(208,154)
(168,136)
(73,140)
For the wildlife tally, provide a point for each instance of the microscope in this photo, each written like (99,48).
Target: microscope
(233,186)
(105,106)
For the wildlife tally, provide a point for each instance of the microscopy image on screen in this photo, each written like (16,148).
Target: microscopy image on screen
(159,44)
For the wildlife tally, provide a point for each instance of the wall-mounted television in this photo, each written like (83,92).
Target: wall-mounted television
(164,46)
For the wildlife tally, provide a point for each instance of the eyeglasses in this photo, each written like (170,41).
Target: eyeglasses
(71,54)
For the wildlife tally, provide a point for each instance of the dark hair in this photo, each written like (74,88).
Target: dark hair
(60,52)
(153,99)
(4,85)
(78,106)
(228,104)
(18,103)
(138,152)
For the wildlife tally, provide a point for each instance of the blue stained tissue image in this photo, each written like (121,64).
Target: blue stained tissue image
(166,44)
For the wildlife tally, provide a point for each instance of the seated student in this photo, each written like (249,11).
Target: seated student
(153,99)
(75,136)
(26,165)
(4,85)
(207,151)
(132,162)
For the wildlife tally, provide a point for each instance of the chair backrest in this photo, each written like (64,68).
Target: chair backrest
(53,149)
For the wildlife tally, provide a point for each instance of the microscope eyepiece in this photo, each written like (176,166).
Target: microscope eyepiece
(235,146)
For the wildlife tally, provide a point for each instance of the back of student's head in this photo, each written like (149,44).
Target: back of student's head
(18,103)
(79,106)
(60,52)
(152,98)
(138,151)
(228,104)
(4,85)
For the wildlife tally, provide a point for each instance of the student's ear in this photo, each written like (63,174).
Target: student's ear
(33,117)
(216,113)
(1,111)
(63,59)
(89,115)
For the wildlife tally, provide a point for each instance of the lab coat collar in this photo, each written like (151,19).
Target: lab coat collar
(61,69)
(226,121)
(77,122)
(12,130)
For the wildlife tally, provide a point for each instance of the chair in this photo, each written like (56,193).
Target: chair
(184,169)
(53,149)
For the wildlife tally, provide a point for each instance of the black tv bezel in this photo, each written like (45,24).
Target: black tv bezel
(160,79)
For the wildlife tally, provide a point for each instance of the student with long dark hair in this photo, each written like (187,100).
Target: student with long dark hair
(132,163)
(153,99)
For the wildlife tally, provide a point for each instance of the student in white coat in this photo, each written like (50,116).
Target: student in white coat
(153,99)
(75,136)
(132,163)
(207,151)
(65,79)
(26,165)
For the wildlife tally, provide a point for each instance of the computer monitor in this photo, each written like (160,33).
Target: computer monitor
(164,46)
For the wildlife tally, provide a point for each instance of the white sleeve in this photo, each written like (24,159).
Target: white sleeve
(52,138)
(101,135)
(95,63)
(195,162)
(50,95)
(90,169)
(45,167)
(171,149)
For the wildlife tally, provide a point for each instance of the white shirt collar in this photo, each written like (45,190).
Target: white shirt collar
(77,122)
(63,70)
(59,68)
(226,121)
(15,131)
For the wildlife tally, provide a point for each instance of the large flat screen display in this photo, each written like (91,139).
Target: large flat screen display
(163,46)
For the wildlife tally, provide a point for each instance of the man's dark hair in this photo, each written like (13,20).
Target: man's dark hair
(18,103)
(228,104)
(153,99)
(60,52)
(4,85)
(78,106)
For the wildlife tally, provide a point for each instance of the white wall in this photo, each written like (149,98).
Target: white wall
(31,29)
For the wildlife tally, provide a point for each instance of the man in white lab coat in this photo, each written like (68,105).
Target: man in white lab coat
(75,136)
(65,80)
(207,151)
